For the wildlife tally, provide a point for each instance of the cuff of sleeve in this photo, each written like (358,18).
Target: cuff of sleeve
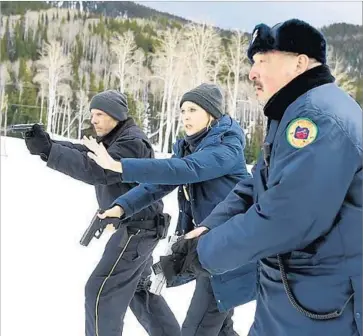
(54,156)
(209,225)
(125,206)
(203,256)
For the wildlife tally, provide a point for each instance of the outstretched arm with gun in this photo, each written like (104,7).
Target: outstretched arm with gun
(37,141)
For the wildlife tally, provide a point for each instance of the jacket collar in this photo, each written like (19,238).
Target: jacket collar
(279,102)
(119,129)
(224,124)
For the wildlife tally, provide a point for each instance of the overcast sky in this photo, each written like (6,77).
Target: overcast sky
(245,15)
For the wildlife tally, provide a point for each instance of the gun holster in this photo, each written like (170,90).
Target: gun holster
(162,222)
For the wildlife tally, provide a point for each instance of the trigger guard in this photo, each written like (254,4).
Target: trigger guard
(98,234)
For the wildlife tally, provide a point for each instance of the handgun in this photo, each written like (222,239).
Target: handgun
(158,279)
(22,128)
(97,226)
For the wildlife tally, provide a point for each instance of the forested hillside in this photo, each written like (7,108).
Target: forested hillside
(55,56)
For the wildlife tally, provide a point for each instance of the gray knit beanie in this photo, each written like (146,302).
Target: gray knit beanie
(207,96)
(112,102)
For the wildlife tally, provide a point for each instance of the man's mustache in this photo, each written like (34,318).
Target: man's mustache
(257,84)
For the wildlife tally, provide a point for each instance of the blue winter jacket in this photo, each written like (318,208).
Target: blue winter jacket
(308,209)
(211,171)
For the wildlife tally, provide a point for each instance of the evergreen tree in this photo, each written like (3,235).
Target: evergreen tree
(359,91)
(83,85)
(29,113)
(254,143)
(101,86)
(19,41)
(5,42)
(75,65)
(132,104)
(9,43)
(93,89)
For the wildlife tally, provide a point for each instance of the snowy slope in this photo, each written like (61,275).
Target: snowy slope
(44,268)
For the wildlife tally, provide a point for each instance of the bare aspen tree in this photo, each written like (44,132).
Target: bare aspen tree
(339,69)
(249,110)
(53,68)
(3,111)
(122,47)
(41,95)
(83,112)
(4,81)
(69,31)
(183,86)
(4,77)
(237,68)
(101,59)
(137,74)
(176,115)
(203,41)
(65,94)
(165,66)
(219,60)
(107,62)
(26,26)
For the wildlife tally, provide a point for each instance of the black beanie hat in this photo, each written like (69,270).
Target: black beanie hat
(207,96)
(112,102)
(294,36)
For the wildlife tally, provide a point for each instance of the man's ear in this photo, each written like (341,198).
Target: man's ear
(302,63)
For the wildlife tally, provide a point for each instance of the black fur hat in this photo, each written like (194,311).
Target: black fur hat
(291,36)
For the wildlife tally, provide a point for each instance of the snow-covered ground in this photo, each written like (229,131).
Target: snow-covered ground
(43,266)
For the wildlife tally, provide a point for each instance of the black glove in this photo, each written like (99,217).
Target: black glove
(172,265)
(183,262)
(188,249)
(38,142)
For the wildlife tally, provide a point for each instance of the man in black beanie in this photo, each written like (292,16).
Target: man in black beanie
(121,278)
(300,217)
(113,107)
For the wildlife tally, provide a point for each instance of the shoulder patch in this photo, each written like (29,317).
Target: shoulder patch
(301,132)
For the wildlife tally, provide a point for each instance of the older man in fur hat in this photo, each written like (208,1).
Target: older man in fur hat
(301,216)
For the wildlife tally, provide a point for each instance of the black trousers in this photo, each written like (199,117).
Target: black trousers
(112,287)
(203,317)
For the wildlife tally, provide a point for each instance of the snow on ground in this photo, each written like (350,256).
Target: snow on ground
(44,268)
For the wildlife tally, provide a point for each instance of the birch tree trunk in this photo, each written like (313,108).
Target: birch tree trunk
(53,68)
(237,52)
(122,47)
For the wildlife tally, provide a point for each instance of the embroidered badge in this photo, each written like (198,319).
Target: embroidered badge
(301,132)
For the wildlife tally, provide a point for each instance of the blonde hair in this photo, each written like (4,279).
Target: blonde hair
(209,125)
